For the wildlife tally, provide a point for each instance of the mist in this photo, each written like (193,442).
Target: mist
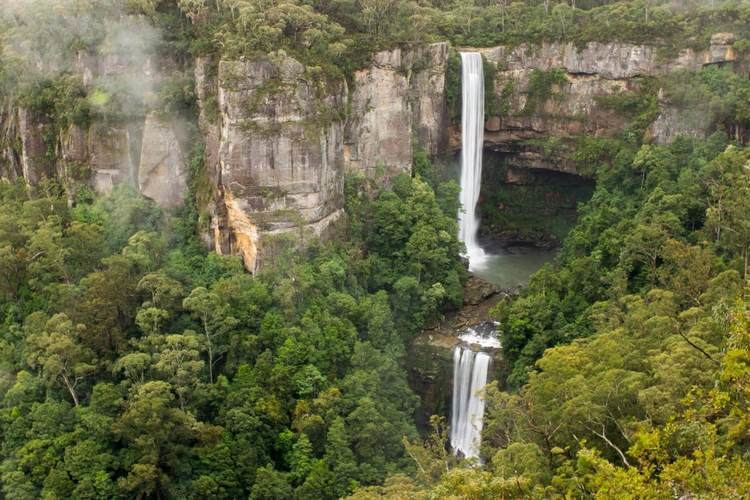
(111,50)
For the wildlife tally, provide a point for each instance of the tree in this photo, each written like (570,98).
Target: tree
(164,291)
(211,312)
(270,485)
(59,354)
(178,362)
(158,437)
(728,215)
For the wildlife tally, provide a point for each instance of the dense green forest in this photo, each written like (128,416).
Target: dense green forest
(136,364)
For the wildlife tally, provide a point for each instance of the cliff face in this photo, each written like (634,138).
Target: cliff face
(280,149)
(279,138)
(398,105)
(575,105)
(141,150)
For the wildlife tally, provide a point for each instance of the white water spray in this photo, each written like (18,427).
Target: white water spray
(469,377)
(472,140)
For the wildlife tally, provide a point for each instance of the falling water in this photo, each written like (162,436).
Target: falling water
(472,126)
(469,377)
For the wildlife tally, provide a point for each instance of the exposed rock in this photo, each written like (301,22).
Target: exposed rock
(427,95)
(492,124)
(399,97)
(721,50)
(74,144)
(673,122)
(611,61)
(280,150)
(478,290)
(244,234)
(215,233)
(162,172)
(431,377)
(278,139)
(36,163)
(108,152)
(592,72)
(430,356)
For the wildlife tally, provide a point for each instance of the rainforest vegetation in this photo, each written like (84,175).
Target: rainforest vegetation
(134,363)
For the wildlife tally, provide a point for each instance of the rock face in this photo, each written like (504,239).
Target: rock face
(591,73)
(162,174)
(280,151)
(398,104)
(110,153)
(103,153)
(279,140)
(36,163)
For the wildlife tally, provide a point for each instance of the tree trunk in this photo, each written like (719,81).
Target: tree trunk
(70,388)
(210,350)
(612,445)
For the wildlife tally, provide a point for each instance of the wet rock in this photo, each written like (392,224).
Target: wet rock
(492,124)
(478,290)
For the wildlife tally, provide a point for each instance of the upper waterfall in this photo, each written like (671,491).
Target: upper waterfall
(472,139)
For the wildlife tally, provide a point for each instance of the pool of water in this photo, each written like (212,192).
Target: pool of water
(512,267)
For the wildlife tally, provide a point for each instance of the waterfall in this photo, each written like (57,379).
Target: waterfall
(469,376)
(472,139)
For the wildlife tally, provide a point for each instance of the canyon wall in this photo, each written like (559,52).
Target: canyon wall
(279,137)
(576,103)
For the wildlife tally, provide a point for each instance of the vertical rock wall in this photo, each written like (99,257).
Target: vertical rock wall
(139,150)
(398,104)
(162,174)
(592,72)
(280,150)
(279,139)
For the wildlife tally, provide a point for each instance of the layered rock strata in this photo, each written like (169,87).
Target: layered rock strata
(591,74)
(279,140)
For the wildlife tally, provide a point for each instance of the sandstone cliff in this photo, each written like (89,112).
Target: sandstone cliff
(591,73)
(398,105)
(279,138)
(138,148)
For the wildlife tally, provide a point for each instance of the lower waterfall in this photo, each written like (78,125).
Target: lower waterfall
(470,370)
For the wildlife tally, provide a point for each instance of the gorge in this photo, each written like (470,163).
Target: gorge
(470,368)
(284,249)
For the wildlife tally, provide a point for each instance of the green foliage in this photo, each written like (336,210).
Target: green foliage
(543,85)
(493,106)
(716,97)
(630,352)
(62,100)
(139,365)
(453,86)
